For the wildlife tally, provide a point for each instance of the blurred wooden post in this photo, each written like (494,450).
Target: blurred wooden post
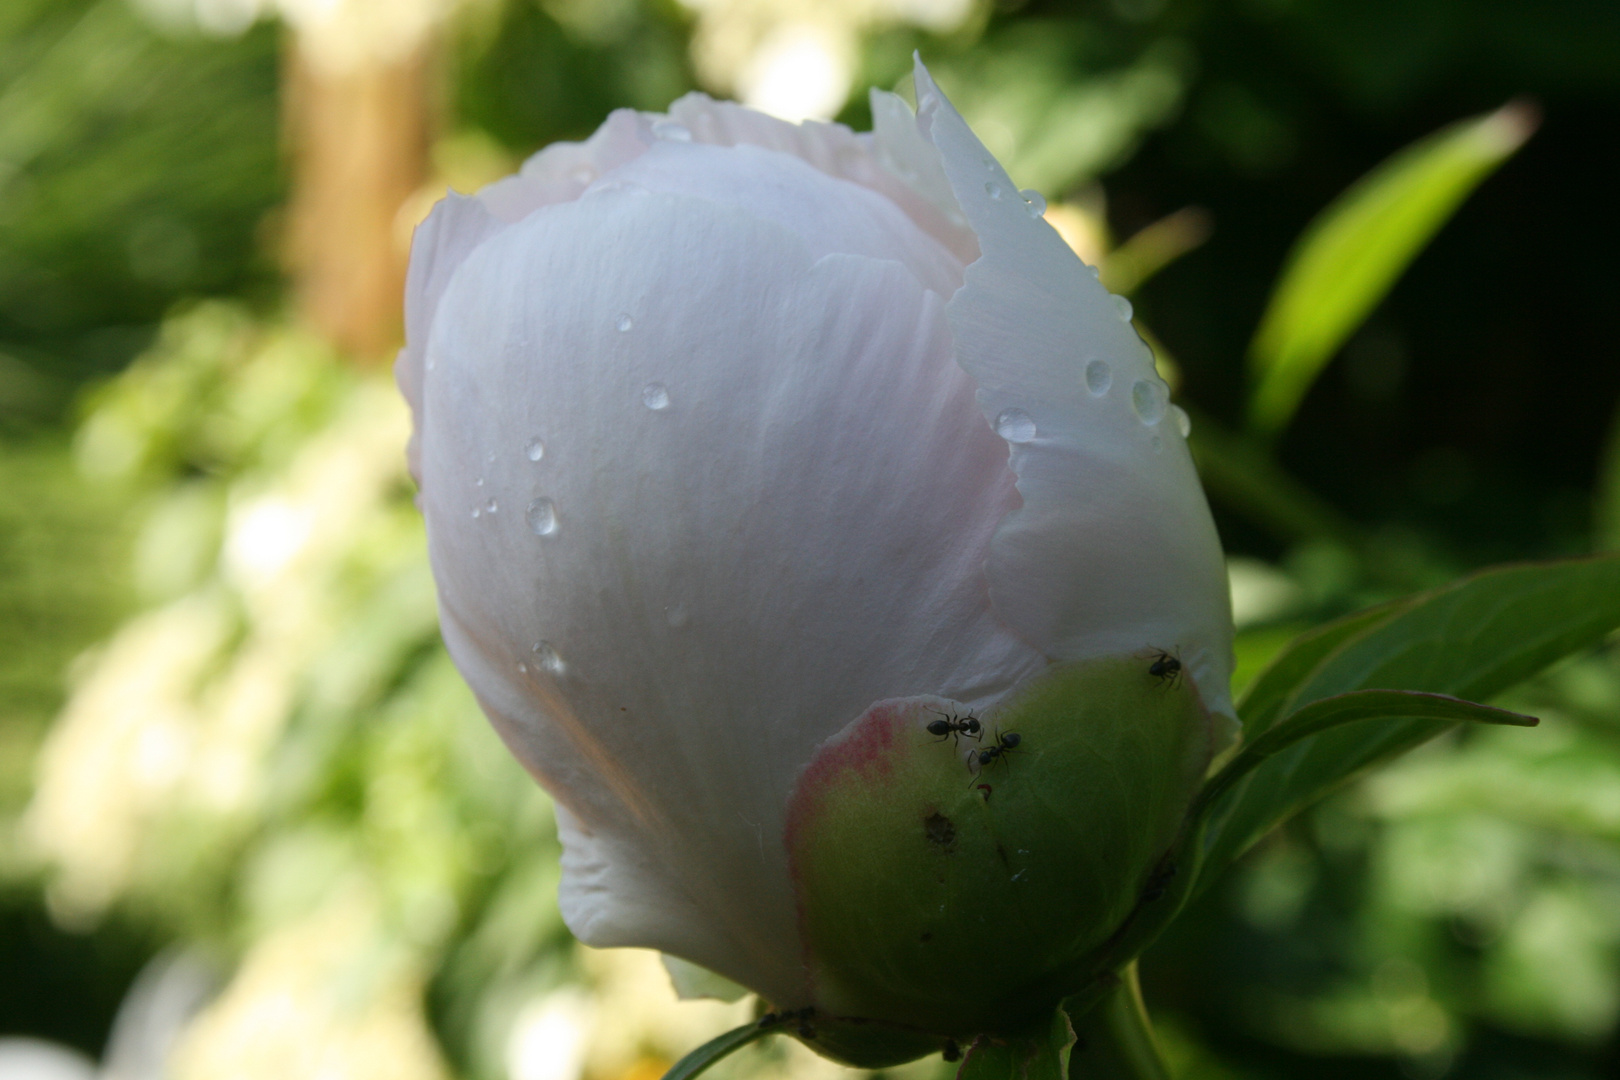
(358,135)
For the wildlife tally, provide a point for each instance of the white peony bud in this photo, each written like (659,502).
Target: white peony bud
(743,448)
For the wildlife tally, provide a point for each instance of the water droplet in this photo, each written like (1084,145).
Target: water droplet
(1099,377)
(1158,444)
(1148,398)
(534,449)
(1123,306)
(1015,425)
(492,507)
(1037,201)
(624,322)
(675,615)
(478,482)
(992,189)
(1183,421)
(1096,271)
(671,131)
(491,458)
(548,658)
(478,511)
(542,517)
(655,396)
(523,669)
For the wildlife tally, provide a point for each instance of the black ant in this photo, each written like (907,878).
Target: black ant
(1166,667)
(1158,883)
(1005,744)
(953,727)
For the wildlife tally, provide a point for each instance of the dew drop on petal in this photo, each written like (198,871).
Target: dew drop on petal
(992,189)
(655,396)
(492,507)
(1036,201)
(534,449)
(523,669)
(1099,377)
(1183,421)
(548,658)
(478,511)
(1147,398)
(542,517)
(1015,426)
(670,131)
(478,482)
(1096,271)
(1123,306)
(624,322)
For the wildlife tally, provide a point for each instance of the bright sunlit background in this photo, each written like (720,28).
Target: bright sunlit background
(251,822)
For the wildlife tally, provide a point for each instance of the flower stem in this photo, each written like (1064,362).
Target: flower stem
(723,1045)
(1115,1039)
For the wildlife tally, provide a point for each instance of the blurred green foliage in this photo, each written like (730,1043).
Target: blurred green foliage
(1353,252)
(1458,914)
(135,169)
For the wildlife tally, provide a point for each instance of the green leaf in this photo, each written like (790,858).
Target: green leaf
(1357,705)
(1263,704)
(1473,639)
(1352,253)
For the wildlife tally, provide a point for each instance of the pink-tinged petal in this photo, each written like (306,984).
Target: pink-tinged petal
(868,160)
(1114,549)
(766,497)
(562,171)
(829,215)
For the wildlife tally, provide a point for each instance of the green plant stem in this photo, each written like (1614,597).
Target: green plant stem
(723,1045)
(1114,1041)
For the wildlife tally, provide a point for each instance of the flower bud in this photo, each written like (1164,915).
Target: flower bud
(742,446)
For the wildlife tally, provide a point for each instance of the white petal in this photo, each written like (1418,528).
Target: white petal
(733,577)
(904,151)
(692,982)
(457,225)
(1114,548)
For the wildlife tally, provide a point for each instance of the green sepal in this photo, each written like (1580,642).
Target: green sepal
(940,899)
(863,1044)
(1113,1036)
(1042,1054)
